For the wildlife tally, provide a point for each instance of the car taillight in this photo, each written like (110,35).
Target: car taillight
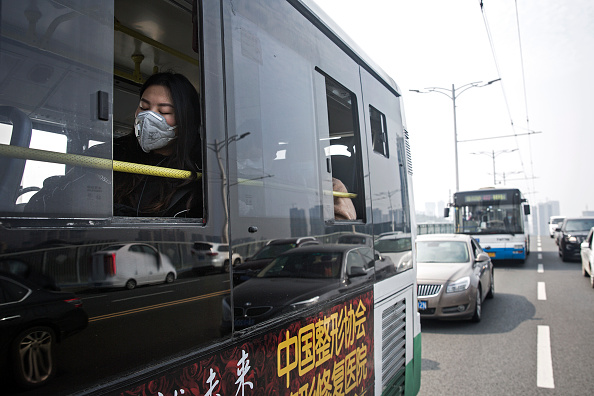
(77,302)
(109,264)
(211,253)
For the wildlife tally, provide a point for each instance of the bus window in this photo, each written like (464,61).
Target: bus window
(56,73)
(379,133)
(343,152)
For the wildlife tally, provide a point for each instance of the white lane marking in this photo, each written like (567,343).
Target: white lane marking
(539,249)
(89,298)
(542,293)
(540,256)
(144,295)
(540,269)
(544,360)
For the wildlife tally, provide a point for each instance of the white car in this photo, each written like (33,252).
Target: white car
(588,257)
(130,265)
(209,255)
(554,223)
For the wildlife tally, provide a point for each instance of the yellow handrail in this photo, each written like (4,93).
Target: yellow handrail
(93,162)
(107,164)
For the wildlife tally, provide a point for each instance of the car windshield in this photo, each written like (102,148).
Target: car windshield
(442,252)
(305,265)
(393,245)
(271,251)
(579,225)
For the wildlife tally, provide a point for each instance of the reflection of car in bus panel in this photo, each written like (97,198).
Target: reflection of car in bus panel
(292,119)
(130,265)
(497,218)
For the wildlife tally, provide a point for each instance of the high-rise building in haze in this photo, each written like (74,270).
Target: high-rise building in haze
(540,219)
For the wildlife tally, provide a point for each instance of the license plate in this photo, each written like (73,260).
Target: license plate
(422,305)
(491,254)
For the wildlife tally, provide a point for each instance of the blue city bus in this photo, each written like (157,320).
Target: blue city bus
(97,301)
(497,218)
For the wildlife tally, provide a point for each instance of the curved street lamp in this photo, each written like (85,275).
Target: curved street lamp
(453,93)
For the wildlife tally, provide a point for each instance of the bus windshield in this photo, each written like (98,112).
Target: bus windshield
(489,218)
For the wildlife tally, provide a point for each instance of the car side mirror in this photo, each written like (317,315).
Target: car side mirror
(585,245)
(482,257)
(356,271)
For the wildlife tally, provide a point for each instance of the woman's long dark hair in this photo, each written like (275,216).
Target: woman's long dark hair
(187,153)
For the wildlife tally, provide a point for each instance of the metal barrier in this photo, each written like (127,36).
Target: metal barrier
(435,228)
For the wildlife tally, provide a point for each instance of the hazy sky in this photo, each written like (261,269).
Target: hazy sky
(437,43)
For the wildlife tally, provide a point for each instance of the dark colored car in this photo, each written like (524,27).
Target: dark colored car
(252,265)
(32,321)
(298,278)
(571,234)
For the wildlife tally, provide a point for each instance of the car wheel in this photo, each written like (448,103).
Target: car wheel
(225,267)
(236,262)
(131,284)
(478,307)
(562,253)
(169,278)
(491,293)
(33,356)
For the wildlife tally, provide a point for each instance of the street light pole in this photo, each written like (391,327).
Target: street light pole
(494,154)
(453,94)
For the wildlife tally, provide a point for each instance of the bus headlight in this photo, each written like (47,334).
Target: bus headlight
(459,285)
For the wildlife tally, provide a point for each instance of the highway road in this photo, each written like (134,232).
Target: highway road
(535,338)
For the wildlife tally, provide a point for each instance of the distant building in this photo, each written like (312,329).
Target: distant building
(440,208)
(542,214)
(430,209)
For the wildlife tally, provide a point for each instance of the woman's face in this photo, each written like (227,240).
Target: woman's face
(157,98)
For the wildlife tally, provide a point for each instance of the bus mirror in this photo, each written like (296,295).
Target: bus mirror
(446,212)
(526,209)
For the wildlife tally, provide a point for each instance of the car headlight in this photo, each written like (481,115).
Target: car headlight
(459,285)
(405,263)
(572,239)
(305,303)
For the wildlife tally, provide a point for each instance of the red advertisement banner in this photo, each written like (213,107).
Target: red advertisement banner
(327,354)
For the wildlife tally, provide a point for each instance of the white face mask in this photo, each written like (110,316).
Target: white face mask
(152,131)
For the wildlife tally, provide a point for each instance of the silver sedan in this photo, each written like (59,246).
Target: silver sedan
(454,277)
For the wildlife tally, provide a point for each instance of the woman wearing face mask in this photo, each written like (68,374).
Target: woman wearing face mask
(166,134)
